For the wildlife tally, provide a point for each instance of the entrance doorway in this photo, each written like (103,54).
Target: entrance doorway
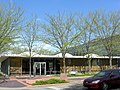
(39,68)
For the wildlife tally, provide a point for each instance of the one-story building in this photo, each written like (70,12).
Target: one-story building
(18,64)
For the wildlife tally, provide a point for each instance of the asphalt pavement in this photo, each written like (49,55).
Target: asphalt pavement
(75,83)
(11,84)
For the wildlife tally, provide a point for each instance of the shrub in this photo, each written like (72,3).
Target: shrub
(40,82)
(50,81)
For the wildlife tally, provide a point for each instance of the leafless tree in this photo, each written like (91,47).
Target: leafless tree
(86,25)
(30,36)
(59,32)
(107,27)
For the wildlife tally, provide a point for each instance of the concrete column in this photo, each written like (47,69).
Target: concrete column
(45,68)
(54,65)
(0,66)
(8,66)
(40,67)
(21,66)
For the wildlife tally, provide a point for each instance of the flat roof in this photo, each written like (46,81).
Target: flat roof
(69,56)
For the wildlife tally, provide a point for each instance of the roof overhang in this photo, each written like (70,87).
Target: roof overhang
(58,56)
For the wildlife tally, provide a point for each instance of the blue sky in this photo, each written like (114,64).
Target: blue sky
(43,7)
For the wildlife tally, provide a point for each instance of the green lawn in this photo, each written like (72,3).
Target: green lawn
(79,74)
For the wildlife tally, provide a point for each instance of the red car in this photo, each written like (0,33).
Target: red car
(103,80)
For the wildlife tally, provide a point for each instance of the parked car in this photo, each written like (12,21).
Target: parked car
(103,80)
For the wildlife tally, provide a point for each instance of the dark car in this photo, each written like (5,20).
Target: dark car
(103,80)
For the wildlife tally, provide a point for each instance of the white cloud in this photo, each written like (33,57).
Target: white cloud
(47,46)
(38,19)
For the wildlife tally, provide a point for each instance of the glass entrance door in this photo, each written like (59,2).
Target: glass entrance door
(39,68)
(43,68)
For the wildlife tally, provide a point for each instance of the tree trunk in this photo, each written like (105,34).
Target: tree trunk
(110,58)
(30,62)
(30,67)
(89,65)
(64,63)
(63,76)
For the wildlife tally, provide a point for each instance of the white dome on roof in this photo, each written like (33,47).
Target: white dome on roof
(92,55)
(66,55)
